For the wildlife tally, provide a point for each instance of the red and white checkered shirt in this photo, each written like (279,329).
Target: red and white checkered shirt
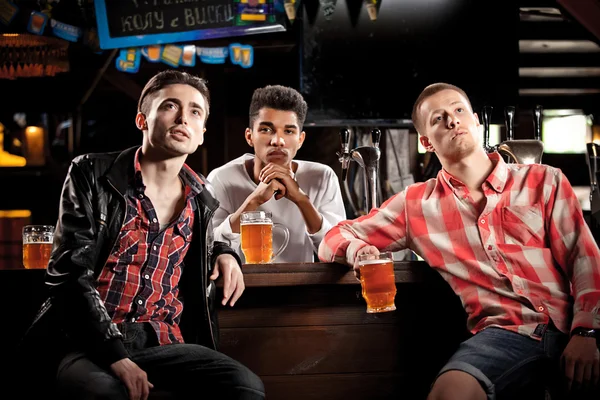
(139,282)
(528,257)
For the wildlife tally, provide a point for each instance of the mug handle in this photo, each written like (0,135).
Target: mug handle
(286,239)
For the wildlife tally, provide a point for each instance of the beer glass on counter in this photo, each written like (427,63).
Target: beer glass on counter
(378,281)
(256,229)
(37,245)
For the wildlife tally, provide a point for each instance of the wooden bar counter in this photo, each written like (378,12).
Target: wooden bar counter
(303,328)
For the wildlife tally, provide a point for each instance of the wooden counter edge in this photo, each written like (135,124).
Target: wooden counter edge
(289,274)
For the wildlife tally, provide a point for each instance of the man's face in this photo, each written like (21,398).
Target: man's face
(175,120)
(448,125)
(275,136)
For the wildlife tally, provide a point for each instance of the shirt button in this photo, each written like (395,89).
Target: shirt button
(140,302)
(490,247)
(541,308)
(153,247)
(141,196)
(154,220)
(147,276)
(482,221)
(132,319)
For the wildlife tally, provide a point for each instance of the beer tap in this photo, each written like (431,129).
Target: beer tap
(344,155)
(486,116)
(537,122)
(522,151)
(509,122)
(375,137)
(367,157)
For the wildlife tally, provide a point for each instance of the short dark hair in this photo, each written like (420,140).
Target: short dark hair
(430,91)
(172,77)
(278,97)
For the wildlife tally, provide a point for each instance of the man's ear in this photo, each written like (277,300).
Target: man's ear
(301,139)
(426,143)
(476,119)
(248,136)
(140,121)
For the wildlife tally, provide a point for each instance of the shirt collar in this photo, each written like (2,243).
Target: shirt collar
(496,179)
(193,183)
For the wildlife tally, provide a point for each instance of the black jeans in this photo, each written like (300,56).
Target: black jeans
(187,370)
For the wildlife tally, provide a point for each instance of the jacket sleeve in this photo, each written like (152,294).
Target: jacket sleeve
(70,274)
(222,248)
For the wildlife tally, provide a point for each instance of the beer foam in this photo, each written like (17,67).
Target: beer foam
(256,223)
(372,262)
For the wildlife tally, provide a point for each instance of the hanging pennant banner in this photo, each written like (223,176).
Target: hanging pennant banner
(213,55)
(65,31)
(242,55)
(171,55)
(128,60)
(291,8)
(8,10)
(188,57)
(373,8)
(152,53)
(328,7)
(37,23)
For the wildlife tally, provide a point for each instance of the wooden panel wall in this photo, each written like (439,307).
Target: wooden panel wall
(318,342)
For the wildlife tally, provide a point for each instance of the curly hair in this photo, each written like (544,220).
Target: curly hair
(279,98)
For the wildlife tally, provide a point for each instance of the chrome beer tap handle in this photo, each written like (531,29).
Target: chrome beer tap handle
(537,122)
(375,137)
(486,116)
(344,154)
(509,121)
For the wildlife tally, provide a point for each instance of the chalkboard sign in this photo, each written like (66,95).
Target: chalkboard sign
(131,23)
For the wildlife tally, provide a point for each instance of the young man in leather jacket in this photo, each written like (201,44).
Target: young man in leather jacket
(133,265)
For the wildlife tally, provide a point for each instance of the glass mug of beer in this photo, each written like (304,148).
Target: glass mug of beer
(256,229)
(37,245)
(378,281)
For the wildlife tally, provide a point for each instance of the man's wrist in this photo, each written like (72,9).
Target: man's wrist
(584,332)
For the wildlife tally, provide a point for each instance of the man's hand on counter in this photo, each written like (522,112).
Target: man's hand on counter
(365,250)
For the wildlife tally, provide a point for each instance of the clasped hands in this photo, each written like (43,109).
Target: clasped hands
(279,180)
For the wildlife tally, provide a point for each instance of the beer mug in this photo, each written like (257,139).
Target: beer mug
(37,245)
(378,281)
(256,229)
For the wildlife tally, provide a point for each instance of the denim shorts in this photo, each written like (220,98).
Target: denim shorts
(503,360)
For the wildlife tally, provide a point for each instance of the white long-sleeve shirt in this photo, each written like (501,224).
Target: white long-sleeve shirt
(232,185)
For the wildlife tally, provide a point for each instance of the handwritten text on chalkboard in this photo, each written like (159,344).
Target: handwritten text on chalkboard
(141,17)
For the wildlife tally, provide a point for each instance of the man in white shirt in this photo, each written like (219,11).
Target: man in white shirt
(304,196)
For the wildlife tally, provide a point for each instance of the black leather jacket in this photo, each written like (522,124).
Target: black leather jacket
(92,211)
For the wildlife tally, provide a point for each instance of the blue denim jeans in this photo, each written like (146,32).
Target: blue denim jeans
(506,362)
(187,370)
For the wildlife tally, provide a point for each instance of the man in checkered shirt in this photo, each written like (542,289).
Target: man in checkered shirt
(512,243)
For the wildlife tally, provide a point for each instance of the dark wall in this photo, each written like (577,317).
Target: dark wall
(355,68)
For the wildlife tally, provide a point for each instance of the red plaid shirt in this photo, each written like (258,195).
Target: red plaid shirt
(527,258)
(139,282)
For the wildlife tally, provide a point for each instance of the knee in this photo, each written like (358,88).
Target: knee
(98,388)
(456,385)
(247,382)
